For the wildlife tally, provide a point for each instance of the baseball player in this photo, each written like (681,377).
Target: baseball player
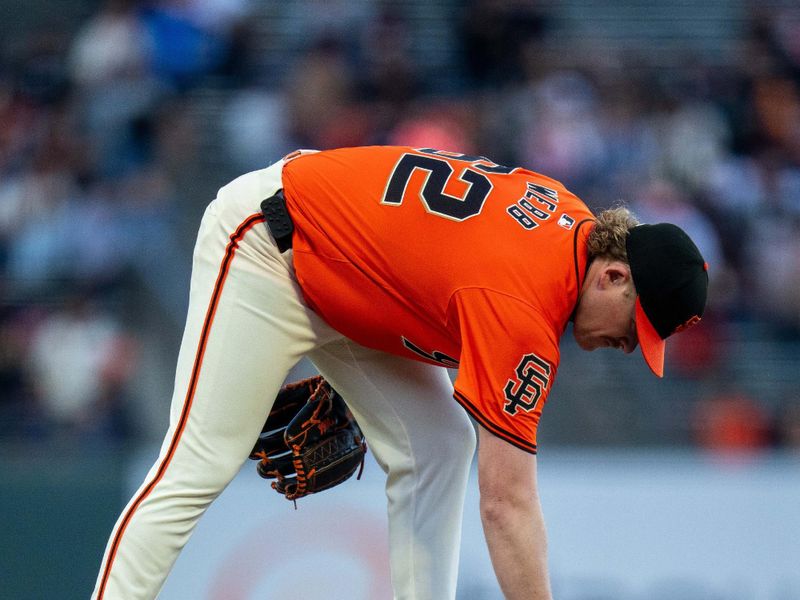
(383,265)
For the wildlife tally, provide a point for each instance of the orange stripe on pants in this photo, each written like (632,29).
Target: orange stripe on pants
(187,405)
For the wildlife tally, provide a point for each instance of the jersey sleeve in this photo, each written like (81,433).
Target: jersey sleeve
(509,358)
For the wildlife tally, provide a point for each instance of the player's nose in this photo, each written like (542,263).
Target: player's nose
(627,344)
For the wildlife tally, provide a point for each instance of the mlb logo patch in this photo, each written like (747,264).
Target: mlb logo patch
(566,221)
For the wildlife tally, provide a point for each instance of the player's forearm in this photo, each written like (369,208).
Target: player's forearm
(517,541)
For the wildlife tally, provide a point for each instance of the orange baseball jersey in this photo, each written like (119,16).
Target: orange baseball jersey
(446,258)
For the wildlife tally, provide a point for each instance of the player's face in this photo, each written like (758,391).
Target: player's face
(605,317)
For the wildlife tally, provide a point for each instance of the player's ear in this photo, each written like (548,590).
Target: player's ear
(615,273)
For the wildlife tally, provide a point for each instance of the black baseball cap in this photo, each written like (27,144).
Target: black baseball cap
(671,281)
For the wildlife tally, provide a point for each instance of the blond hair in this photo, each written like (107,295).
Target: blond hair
(608,235)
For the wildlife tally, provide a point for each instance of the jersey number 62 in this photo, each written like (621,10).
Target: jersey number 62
(439,171)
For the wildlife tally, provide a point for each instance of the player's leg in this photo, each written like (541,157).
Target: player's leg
(424,442)
(246,328)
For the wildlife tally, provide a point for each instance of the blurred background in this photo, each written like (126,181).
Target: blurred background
(120,119)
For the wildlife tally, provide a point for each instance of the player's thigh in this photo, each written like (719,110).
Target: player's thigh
(405,407)
(247,326)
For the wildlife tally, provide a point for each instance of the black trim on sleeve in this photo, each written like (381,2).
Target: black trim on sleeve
(511,438)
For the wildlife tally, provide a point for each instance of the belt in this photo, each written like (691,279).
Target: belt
(278,220)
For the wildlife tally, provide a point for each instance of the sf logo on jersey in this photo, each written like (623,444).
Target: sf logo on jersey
(532,380)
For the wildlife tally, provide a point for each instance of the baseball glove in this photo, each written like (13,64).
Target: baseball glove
(310,442)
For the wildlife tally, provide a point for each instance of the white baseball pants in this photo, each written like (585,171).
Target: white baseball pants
(247,326)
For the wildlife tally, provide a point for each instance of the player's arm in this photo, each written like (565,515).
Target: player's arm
(512,518)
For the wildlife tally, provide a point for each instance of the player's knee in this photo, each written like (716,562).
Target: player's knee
(460,441)
(203,474)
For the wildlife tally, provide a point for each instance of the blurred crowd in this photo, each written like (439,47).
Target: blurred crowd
(116,130)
